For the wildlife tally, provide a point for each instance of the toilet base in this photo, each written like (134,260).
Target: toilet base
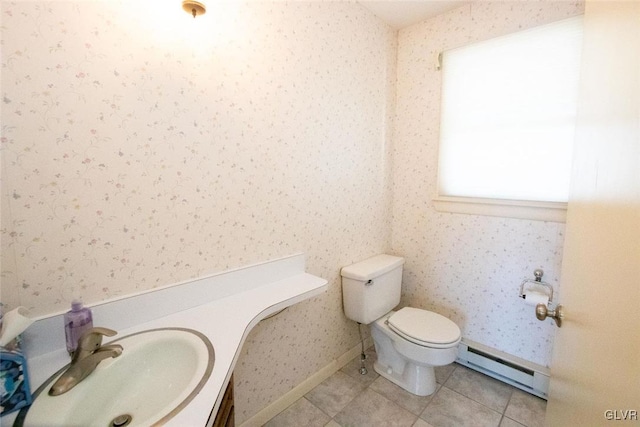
(405,363)
(418,380)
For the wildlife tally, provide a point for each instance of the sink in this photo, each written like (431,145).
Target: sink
(159,372)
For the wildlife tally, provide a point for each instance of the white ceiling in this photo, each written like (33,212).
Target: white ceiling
(402,13)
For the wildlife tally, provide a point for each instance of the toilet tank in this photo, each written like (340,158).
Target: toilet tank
(371,288)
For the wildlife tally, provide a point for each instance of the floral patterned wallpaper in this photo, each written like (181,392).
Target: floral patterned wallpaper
(130,164)
(466,267)
(141,147)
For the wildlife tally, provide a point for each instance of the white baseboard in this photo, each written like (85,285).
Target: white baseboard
(304,387)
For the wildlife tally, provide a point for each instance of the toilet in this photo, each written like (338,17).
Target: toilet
(409,342)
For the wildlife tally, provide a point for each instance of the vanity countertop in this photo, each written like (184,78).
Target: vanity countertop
(224,316)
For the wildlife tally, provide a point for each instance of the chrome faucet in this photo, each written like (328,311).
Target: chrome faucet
(89,353)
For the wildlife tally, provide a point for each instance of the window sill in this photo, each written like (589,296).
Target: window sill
(521,209)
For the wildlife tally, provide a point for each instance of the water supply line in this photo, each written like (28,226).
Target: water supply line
(363,368)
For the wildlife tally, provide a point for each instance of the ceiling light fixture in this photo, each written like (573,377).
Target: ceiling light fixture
(193,7)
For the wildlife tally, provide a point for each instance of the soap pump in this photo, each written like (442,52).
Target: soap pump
(77,321)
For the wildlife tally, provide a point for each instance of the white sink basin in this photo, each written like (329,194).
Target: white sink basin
(158,373)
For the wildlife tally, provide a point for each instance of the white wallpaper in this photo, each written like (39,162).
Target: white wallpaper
(141,148)
(463,266)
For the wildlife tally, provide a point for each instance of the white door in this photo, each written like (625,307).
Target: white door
(595,370)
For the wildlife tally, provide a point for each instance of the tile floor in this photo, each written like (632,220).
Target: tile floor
(464,398)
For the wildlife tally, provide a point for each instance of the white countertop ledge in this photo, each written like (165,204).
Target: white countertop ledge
(224,307)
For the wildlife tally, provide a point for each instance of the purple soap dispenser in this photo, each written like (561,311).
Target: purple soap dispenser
(77,321)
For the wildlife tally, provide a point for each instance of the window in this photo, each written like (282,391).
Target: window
(508,120)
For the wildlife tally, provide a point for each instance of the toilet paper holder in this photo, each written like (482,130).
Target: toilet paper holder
(536,285)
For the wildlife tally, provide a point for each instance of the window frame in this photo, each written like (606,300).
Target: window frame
(520,209)
(552,211)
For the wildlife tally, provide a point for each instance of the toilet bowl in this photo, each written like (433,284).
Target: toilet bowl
(410,343)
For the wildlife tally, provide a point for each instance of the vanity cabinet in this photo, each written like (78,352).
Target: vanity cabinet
(225,415)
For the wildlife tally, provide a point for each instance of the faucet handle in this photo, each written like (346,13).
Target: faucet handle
(91,340)
(101,331)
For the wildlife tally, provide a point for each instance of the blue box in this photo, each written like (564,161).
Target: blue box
(14,379)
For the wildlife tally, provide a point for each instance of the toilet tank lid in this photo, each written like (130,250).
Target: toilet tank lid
(372,267)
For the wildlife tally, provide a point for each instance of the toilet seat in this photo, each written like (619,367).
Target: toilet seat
(424,328)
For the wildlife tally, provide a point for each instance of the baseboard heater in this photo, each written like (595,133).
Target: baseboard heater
(520,373)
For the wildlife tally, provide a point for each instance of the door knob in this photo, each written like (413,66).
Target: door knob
(542,312)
